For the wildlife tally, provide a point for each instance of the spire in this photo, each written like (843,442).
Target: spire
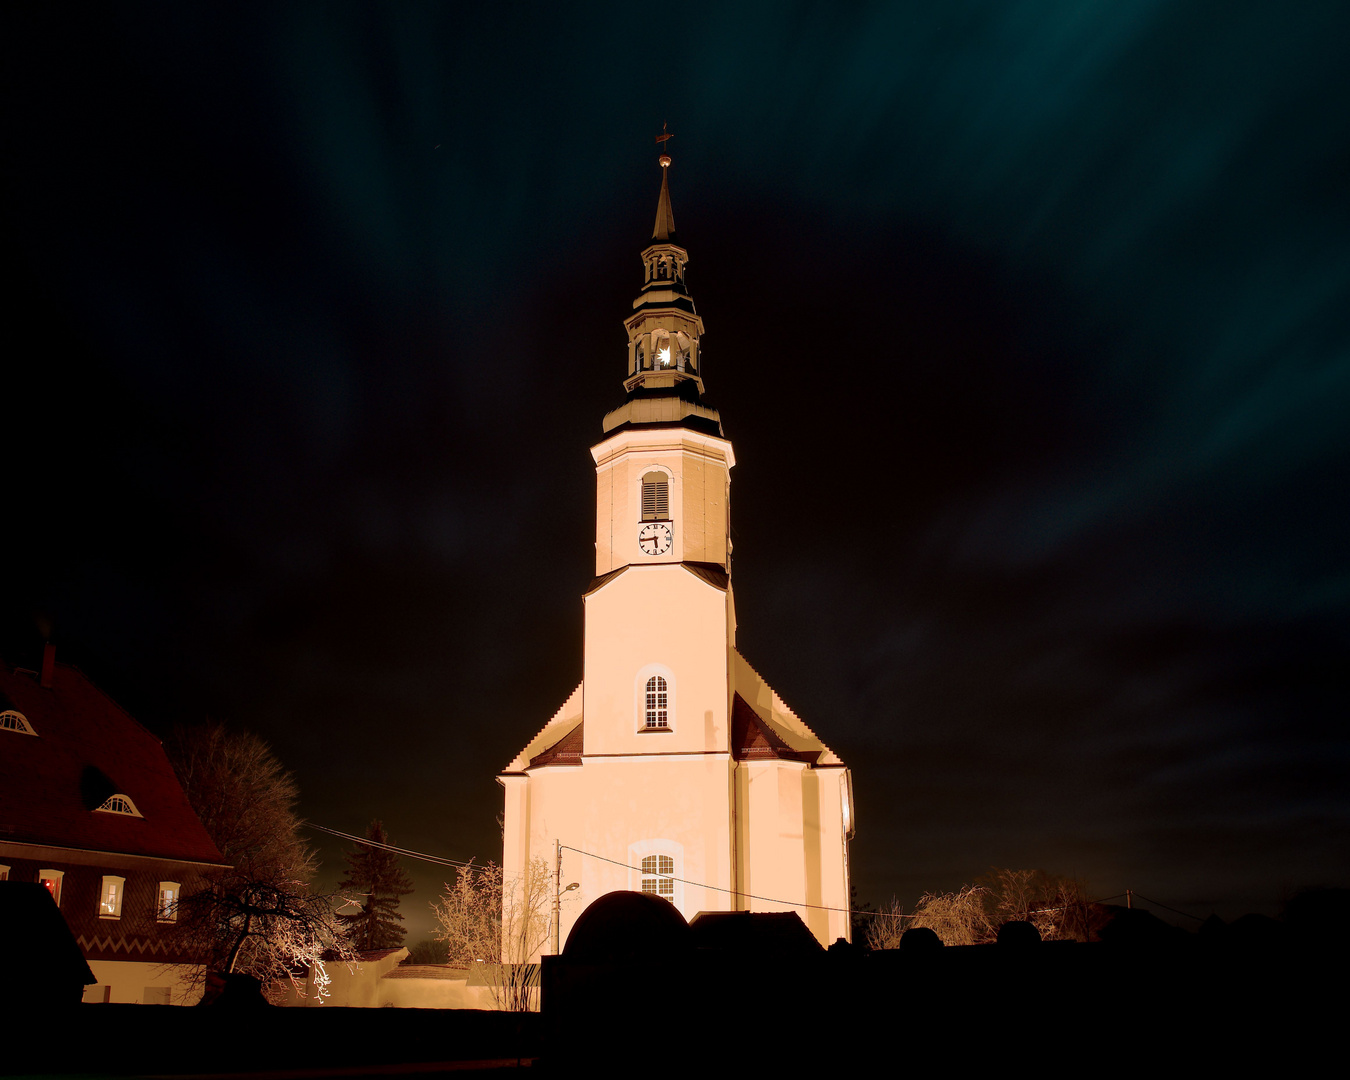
(665,216)
(664,379)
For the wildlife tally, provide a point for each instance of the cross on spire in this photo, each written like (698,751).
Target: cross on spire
(664,138)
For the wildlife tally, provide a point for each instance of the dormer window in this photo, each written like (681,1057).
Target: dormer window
(10,720)
(119,804)
(655,497)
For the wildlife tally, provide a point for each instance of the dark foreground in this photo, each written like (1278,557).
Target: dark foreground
(1090,1010)
(161,1040)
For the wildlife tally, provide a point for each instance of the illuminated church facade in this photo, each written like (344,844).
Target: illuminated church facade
(674,768)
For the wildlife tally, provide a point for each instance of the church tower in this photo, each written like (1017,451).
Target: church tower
(674,768)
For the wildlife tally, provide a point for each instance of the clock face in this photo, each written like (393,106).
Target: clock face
(655,538)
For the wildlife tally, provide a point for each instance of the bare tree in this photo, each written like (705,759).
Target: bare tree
(260,917)
(958,918)
(1055,905)
(468,915)
(886,926)
(482,916)
(525,928)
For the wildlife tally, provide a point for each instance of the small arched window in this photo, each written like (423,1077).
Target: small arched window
(119,804)
(10,720)
(658,704)
(655,497)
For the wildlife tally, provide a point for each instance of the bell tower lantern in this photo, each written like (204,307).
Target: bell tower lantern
(664,329)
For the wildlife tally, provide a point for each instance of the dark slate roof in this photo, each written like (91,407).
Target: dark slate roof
(757,934)
(752,738)
(87,748)
(566,751)
(715,574)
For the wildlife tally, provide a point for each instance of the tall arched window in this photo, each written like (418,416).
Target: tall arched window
(658,703)
(655,497)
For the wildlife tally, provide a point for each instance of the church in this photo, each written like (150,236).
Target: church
(674,768)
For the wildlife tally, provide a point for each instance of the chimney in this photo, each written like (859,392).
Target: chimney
(48,665)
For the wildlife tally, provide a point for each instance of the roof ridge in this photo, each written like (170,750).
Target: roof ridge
(111,700)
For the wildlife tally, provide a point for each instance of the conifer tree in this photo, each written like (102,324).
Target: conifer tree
(374,880)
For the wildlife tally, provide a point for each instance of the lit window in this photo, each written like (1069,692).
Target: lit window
(655,497)
(4,873)
(15,721)
(119,804)
(658,698)
(658,876)
(51,881)
(110,897)
(166,907)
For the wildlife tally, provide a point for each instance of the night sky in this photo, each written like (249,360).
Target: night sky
(1029,323)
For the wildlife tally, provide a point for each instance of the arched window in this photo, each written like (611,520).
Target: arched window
(119,804)
(658,704)
(658,873)
(15,721)
(655,497)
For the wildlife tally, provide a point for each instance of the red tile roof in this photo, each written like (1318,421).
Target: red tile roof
(86,748)
(566,751)
(753,739)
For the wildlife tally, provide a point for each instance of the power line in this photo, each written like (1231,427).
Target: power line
(718,888)
(435,859)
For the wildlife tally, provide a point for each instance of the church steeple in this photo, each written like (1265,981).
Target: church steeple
(665,216)
(664,377)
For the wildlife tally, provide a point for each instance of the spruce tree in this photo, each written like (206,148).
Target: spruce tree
(375,880)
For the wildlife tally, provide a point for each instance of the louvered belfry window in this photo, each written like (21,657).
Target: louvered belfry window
(655,497)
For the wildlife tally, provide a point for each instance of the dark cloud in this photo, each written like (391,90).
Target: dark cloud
(1028,322)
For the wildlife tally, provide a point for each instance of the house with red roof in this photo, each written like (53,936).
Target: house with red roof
(90,808)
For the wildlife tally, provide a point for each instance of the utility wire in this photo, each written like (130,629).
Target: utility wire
(1173,910)
(435,859)
(717,888)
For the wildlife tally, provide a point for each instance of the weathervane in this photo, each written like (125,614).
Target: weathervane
(664,138)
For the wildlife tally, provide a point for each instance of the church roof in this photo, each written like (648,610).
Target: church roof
(763,728)
(564,720)
(770,709)
(713,574)
(85,749)
(566,751)
(753,739)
